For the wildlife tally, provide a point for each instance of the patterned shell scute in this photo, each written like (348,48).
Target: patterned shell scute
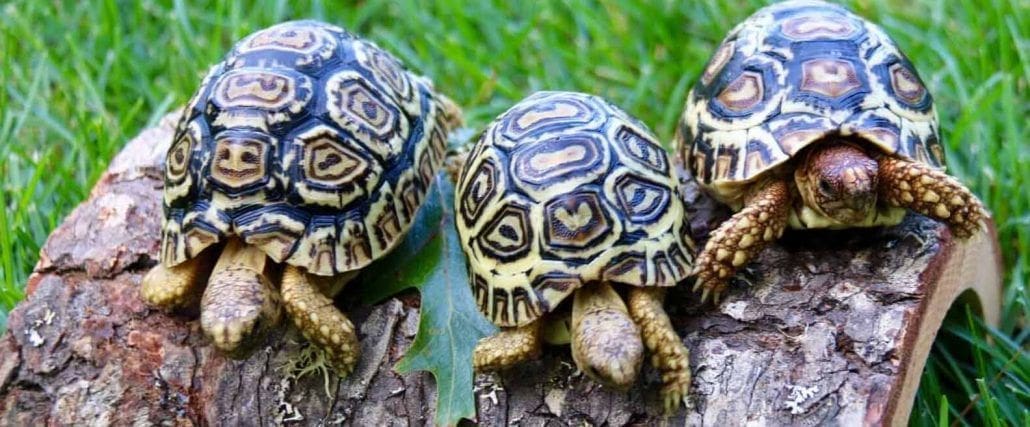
(791,74)
(310,143)
(562,190)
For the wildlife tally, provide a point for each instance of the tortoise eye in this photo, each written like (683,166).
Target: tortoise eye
(825,186)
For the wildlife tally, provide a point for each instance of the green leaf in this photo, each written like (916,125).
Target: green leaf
(430,259)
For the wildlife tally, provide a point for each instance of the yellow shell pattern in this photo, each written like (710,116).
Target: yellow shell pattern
(308,142)
(790,75)
(562,190)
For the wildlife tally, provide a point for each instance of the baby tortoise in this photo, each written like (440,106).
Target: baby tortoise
(306,153)
(809,116)
(565,194)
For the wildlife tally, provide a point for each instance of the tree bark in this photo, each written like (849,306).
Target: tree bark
(831,327)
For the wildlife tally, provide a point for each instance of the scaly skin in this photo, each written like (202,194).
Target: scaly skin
(606,343)
(760,222)
(669,355)
(932,193)
(453,117)
(320,321)
(240,305)
(507,348)
(171,288)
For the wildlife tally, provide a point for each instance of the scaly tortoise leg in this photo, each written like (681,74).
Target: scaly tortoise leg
(760,222)
(319,320)
(669,355)
(176,287)
(606,342)
(452,115)
(507,348)
(240,305)
(931,192)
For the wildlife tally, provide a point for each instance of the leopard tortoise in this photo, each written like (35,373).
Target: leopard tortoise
(566,195)
(302,158)
(809,116)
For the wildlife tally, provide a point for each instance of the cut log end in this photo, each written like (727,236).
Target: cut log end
(824,326)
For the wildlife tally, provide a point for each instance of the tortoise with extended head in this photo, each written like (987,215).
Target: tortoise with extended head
(566,195)
(809,116)
(306,154)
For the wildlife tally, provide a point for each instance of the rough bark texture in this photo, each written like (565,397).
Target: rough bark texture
(828,329)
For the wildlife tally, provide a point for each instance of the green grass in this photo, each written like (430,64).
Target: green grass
(79,80)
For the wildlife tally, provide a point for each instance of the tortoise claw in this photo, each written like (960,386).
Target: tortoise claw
(673,398)
(708,288)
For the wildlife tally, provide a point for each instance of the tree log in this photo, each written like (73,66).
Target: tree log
(829,327)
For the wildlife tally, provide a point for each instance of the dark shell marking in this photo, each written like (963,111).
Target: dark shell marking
(312,144)
(576,221)
(561,190)
(793,73)
(508,235)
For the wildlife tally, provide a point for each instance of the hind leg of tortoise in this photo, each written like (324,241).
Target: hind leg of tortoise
(606,342)
(240,304)
(930,192)
(669,355)
(760,222)
(176,287)
(319,320)
(508,348)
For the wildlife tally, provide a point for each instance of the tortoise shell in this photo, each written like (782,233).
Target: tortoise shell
(790,75)
(308,142)
(562,190)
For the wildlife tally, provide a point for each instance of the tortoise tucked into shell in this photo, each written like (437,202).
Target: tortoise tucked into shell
(307,152)
(565,194)
(809,116)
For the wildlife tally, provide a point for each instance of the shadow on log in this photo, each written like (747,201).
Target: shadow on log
(830,327)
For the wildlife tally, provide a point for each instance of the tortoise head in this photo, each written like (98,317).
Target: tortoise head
(606,343)
(838,179)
